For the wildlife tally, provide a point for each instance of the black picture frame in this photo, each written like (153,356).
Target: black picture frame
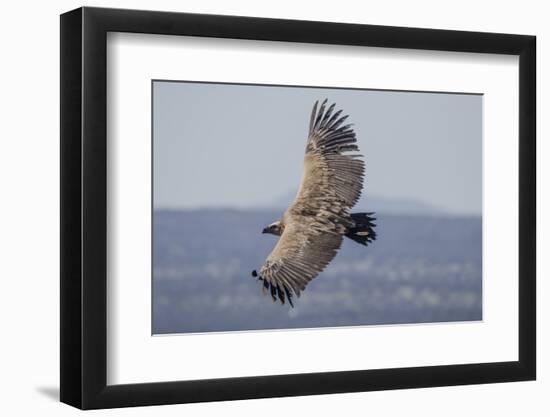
(84,207)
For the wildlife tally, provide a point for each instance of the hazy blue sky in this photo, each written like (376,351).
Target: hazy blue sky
(220,145)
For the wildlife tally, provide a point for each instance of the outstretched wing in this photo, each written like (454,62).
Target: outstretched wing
(331,184)
(333,171)
(300,254)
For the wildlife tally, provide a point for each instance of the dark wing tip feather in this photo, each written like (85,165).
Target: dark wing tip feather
(312,118)
(327,115)
(281,295)
(289,296)
(320,115)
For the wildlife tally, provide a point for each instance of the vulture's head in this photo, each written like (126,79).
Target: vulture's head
(274,228)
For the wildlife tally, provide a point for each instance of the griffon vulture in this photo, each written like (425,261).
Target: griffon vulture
(313,227)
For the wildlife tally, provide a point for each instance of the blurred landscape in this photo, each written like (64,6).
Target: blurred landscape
(425,266)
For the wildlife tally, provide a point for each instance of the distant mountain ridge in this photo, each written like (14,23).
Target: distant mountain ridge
(367,203)
(374,203)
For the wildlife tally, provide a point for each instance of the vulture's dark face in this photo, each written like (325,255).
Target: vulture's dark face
(274,229)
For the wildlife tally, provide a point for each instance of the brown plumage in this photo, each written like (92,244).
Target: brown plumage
(313,227)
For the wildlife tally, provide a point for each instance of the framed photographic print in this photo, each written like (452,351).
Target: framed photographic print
(257,208)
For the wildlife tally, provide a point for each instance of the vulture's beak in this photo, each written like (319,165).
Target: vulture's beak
(266,230)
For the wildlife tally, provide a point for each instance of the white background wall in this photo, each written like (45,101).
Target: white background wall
(29,237)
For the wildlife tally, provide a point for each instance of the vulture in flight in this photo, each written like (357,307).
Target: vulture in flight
(312,229)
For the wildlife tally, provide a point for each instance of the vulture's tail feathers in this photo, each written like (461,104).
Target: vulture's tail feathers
(363,230)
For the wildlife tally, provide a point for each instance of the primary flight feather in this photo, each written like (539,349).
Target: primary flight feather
(313,227)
